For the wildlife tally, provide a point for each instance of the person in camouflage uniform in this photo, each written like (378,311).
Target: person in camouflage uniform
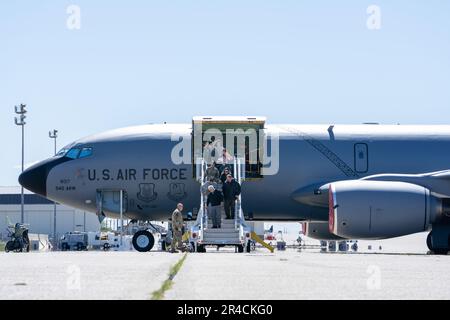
(212,173)
(177,227)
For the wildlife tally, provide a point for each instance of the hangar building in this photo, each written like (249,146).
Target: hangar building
(38,213)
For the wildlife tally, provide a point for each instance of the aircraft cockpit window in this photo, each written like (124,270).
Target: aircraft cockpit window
(73,153)
(85,152)
(61,152)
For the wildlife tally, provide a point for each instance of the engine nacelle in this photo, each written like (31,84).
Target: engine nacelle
(318,231)
(360,209)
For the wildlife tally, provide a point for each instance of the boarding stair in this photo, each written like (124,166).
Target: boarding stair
(233,232)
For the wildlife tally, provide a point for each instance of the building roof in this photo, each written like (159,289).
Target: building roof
(13,190)
(12,196)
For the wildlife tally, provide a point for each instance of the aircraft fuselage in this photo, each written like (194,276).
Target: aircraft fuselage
(138,161)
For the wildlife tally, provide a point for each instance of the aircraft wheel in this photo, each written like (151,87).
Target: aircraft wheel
(143,241)
(201,248)
(240,248)
(9,246)
(429,243)
(443,252)
(439,251)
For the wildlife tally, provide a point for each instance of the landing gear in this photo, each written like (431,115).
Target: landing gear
(201,248)
(248,246)
(429,243)
(143,241)
(438,241)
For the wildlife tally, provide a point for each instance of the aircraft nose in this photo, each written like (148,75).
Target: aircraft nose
(35,179)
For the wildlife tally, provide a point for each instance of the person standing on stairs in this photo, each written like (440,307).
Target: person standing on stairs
(214,202)
(212,173)
(231,191)
(226,159)
(224,175)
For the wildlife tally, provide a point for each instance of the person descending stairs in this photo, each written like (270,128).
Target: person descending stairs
(221,218)
(214,202)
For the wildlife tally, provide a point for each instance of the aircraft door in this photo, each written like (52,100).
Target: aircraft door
(361,155)
(108,201)
(237,137)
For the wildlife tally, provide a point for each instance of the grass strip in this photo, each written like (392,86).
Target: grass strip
(167,284)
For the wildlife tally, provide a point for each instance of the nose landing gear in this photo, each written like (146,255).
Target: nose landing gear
(143,241)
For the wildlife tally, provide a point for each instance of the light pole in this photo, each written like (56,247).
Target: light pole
(20,121)
(53,135)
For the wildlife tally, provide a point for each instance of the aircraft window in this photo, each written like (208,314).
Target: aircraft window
(61,152)
(85,152)
(73,153)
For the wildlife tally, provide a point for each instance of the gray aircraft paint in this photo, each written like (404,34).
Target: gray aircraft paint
(306,163)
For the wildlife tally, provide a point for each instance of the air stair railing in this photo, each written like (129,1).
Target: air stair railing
(239,172)
(202,216)
(204,224)
(235,175)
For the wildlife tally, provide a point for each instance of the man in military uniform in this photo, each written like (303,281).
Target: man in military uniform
(177,227)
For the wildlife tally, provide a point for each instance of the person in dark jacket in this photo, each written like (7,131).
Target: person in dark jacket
(224,175)
(214,201)
(231,191)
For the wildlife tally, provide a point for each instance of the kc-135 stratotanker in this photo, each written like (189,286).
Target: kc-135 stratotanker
(364,181)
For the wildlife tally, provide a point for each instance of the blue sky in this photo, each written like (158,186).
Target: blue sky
(135,62)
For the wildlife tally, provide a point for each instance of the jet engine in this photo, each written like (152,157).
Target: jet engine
(362,209)
(318,231)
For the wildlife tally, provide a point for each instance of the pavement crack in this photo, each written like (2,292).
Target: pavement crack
(167,284)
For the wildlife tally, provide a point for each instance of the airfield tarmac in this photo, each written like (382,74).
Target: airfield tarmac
(286,274)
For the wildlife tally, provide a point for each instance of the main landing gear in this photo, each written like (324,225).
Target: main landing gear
(438,240)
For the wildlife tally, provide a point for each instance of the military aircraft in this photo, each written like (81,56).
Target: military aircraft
(365,181)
